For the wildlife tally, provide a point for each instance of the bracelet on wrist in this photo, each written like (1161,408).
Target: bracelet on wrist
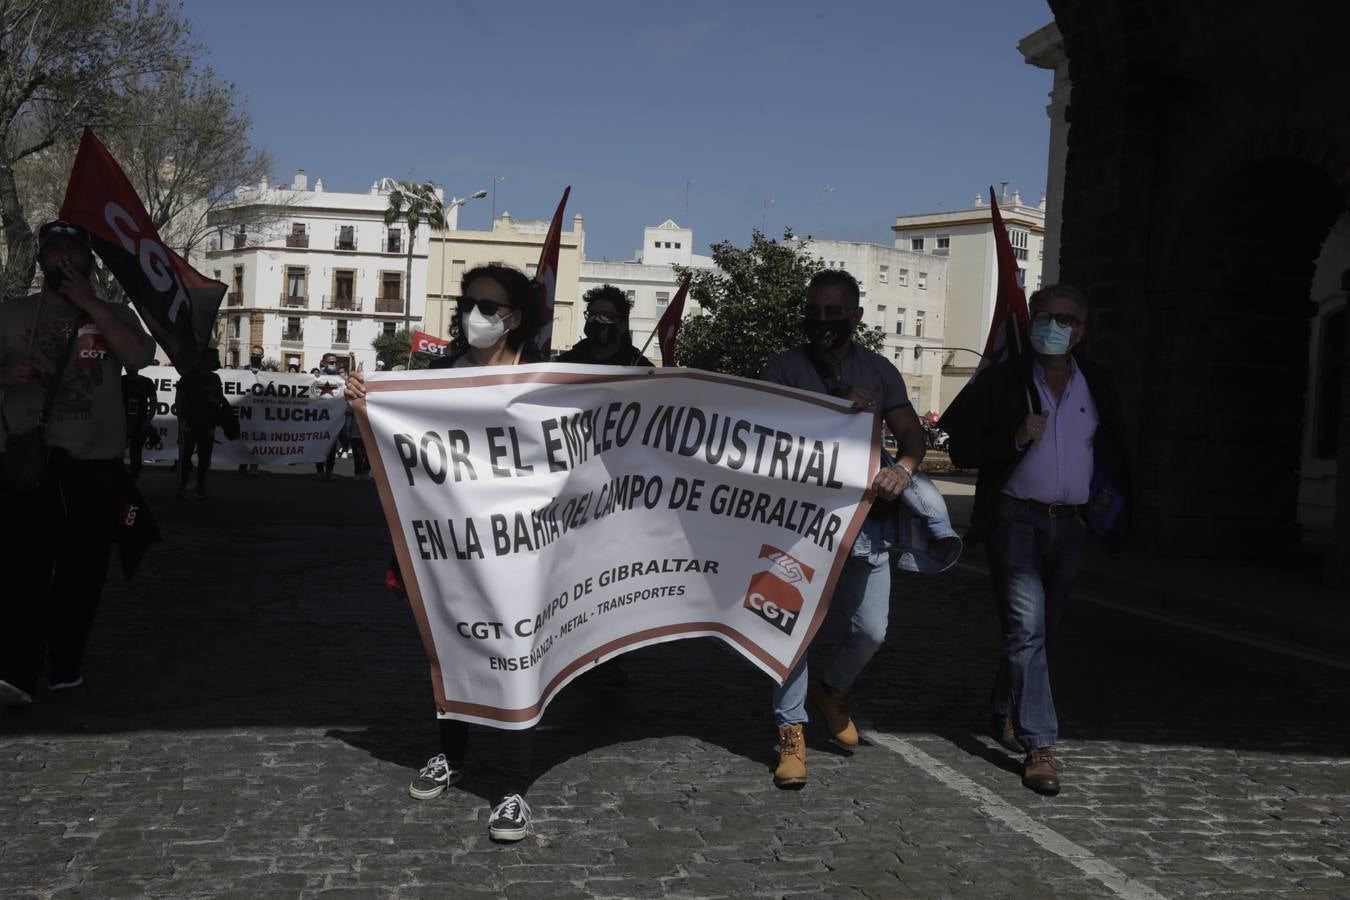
(906,469)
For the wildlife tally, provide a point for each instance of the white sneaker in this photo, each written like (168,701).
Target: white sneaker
(14,696)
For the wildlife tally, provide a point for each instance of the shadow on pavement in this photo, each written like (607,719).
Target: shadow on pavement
(264,607)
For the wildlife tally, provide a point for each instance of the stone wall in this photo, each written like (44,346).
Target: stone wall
(1207,162)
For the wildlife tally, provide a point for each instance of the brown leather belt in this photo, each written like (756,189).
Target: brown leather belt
(1055,510)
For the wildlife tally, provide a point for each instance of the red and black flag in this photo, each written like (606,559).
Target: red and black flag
(1008,327)
(546,274)
(668,328)
(177,303)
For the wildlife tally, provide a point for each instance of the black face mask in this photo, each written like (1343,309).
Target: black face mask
(605,334)
(255,361)
(827,335)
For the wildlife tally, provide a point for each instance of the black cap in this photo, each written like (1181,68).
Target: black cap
(61,228)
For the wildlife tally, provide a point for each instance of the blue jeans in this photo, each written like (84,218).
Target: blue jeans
(1033,559)
(854,627)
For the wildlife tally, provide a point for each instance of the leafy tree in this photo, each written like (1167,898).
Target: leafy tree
(752,306)
(413,204)
(65,64)
(183,141)
(394,349)
(186,148)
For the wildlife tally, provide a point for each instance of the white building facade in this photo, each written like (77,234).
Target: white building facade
(903,293)
(964,241)
(323,275)
(648,278)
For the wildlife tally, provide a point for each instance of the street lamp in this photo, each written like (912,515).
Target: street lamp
(445,246)
(495,179)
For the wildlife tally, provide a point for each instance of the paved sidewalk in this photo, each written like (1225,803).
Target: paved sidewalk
(258,703)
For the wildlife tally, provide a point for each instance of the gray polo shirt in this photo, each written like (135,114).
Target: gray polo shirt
(861,367)
(88,418)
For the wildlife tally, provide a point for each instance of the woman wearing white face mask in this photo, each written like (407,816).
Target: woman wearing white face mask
(497,317)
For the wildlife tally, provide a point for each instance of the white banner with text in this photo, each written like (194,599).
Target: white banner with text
(283,417)
(548,517)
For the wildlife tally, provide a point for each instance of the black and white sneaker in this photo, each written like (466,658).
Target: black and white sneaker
(510,819)
(436,776)
(12,695)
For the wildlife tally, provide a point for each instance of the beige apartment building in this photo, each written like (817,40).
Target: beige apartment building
(512,242)
(965,239)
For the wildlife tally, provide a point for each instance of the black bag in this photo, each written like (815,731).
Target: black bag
(27,456)
(226,419)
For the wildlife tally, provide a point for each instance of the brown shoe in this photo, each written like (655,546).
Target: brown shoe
(791,771)
(833,705)
(1001,730)
(1040,772)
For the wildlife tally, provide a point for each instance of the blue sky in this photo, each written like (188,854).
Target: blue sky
(899,107)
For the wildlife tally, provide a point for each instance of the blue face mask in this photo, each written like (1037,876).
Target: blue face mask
(1051,339)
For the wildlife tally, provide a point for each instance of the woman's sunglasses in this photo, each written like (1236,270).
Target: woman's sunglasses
(486,307)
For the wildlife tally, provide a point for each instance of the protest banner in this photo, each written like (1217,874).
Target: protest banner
(547,517)
(283,417)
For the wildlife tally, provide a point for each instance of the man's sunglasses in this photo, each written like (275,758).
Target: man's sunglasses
(1064,320)
(830,311)
(486,307)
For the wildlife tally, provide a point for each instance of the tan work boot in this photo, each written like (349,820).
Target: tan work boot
(791,771)
(1040,772)
(834,707)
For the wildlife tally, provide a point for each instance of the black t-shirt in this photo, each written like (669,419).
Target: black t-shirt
(199,397)
(583,351)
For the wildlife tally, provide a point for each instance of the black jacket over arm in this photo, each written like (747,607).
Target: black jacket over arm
(982,424)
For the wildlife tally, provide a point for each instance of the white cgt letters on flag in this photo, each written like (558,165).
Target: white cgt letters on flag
(546,518)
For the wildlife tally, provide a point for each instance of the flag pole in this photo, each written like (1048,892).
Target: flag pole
(643,351)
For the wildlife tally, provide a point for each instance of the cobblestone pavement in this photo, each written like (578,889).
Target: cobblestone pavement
(257,704)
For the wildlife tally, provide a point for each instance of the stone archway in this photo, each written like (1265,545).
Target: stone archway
(1226,332)
(1205,165)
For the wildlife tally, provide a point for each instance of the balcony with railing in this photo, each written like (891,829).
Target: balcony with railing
(392,243)
(234,298)
(293,337)
(342,339)
(289,299)
(297,240)
(240,240)
(389,304)
(341,304)
(344,242)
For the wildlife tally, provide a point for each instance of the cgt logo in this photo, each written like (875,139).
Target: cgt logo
(772,595)
(91,347)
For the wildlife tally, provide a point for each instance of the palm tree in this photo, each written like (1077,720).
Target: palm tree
(414,204)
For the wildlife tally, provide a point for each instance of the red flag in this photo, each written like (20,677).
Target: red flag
(546,274)
(1008,328)
(178,303)
(669,325)
(429,344)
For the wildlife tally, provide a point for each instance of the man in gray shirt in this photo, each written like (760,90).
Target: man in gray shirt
(55,565)
(831,363)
